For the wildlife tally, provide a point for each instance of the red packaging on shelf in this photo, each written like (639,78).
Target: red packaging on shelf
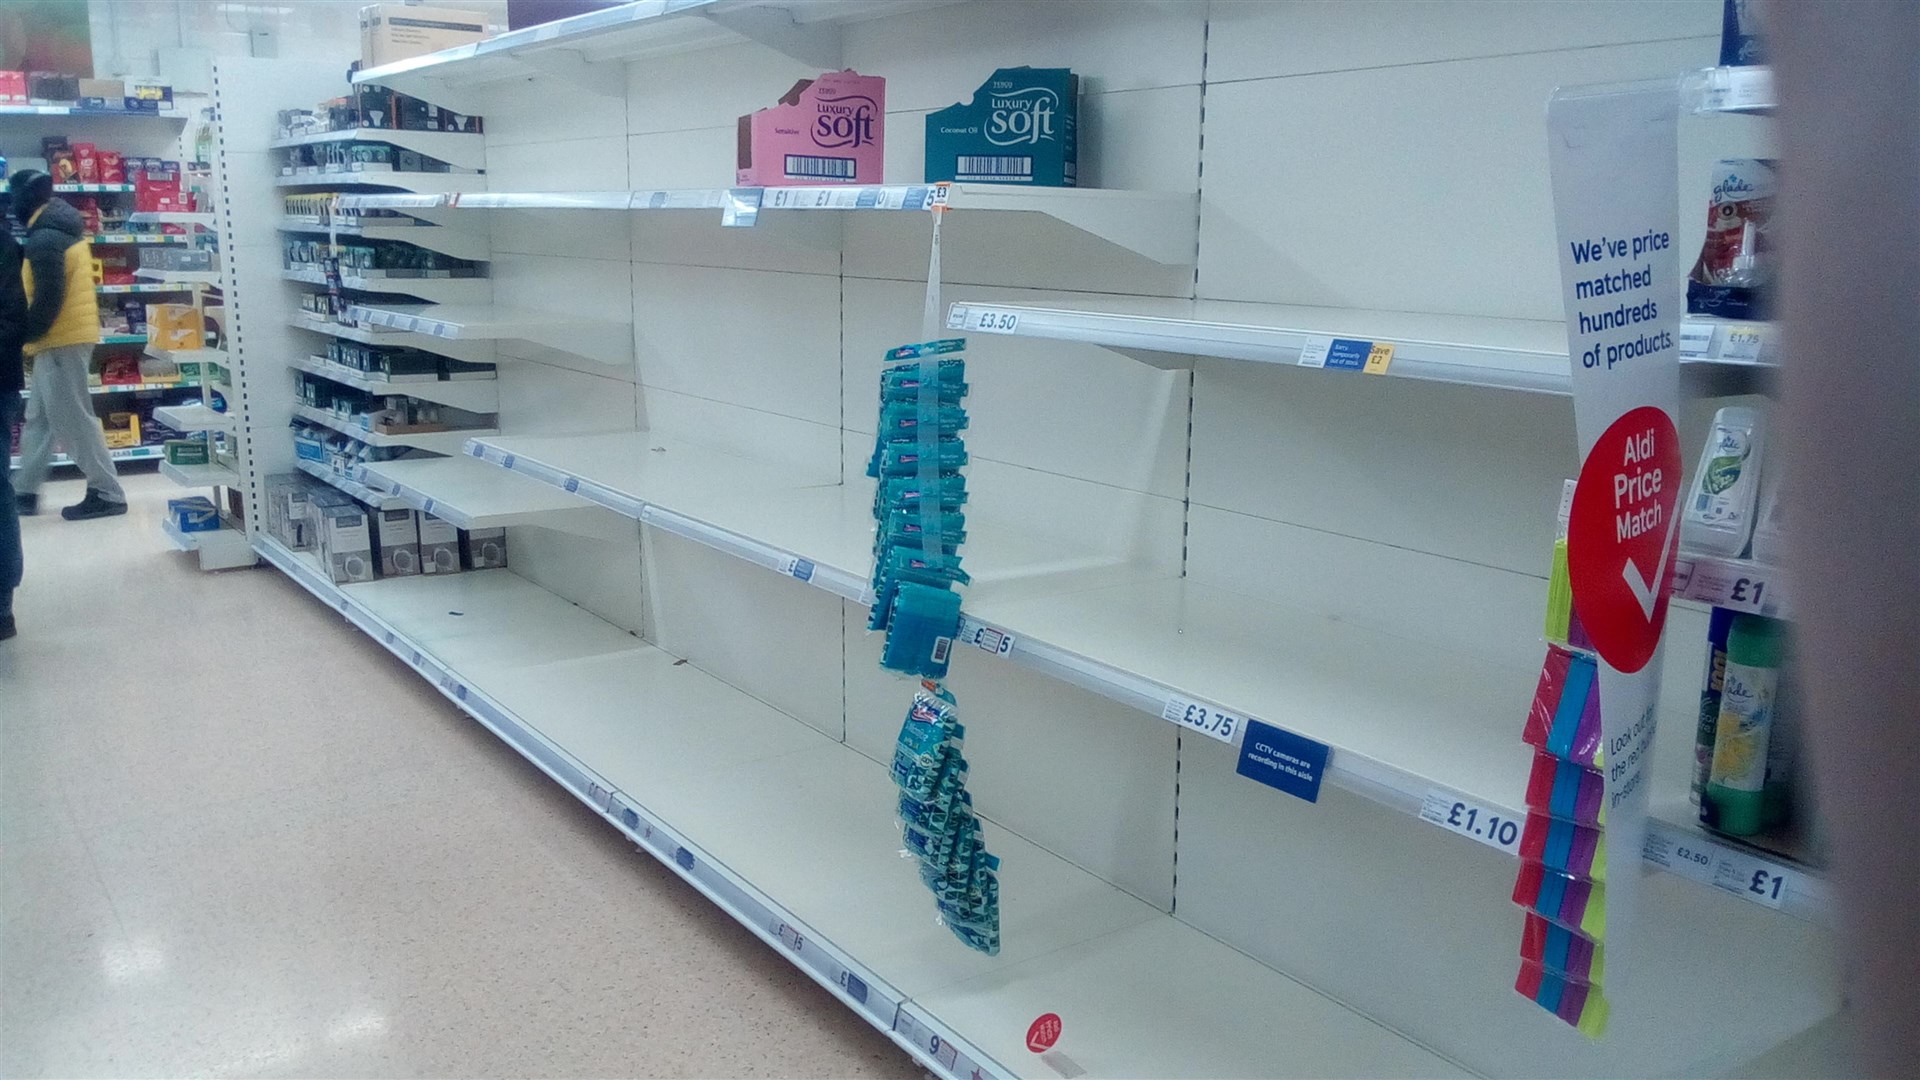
(113,167)
(86,163)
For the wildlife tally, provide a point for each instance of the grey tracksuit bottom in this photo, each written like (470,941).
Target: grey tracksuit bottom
(60,409)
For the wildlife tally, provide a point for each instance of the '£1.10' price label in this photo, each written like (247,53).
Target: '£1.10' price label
(1450,812)
(1205,719)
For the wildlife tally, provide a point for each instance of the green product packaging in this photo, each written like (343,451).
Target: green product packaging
(1733,801)
(1710,685)
(1020,128)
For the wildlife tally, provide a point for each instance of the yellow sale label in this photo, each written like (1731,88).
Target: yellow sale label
(1378,358)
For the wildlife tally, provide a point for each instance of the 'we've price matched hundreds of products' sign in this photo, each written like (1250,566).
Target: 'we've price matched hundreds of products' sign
(1616,199)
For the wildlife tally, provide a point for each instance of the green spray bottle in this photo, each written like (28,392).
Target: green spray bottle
(1734,800)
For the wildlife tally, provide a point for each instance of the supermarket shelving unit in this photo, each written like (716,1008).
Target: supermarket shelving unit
(1163,518)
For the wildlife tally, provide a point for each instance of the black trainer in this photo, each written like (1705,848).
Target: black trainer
(27,505)
(93,506)
(7,628)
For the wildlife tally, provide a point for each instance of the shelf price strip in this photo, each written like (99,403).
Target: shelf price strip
(1346,354)
(1751,877)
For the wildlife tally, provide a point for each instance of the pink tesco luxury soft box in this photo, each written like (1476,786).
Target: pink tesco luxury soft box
(828,130)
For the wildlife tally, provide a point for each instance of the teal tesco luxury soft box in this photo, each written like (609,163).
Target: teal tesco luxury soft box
(1018,129)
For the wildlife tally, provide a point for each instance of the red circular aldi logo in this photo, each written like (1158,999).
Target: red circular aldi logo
(1621,536)
(1043,1033)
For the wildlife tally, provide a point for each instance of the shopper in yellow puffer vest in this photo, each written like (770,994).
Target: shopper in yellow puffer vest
(63,326)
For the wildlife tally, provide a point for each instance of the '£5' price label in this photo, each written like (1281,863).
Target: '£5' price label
(1205,719)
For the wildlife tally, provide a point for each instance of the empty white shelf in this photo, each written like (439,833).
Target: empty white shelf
(406,181)
(749,804)
(479,352)
(172,217)
(454,242)
(605,341)
(193,417)
(474,495)
(187,278)
(348,485)
(199,476)
(189,356)
(1507,354)
(470,290)
(462,150)
(586,47)
(788,519)
(480,395)
(218,549)
(1160,225)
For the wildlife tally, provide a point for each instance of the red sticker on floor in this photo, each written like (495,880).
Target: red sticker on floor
(1044,1032)
(1621,535)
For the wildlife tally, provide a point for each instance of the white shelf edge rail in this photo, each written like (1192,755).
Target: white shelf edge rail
(1159,225)
(1737,355)
(843,583)
(586,521)
(852,983)
(348,485)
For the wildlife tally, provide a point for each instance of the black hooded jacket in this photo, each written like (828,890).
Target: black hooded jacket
(13,315)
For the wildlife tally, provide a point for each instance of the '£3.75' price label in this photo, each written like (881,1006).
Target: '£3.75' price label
(1205,719)
(1455,814)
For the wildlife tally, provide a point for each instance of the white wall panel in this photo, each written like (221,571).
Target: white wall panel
(679,92)
(934,58)
(1255,39)
(1078,410)
(765,633)
(595,163)
(546,110)
(697,158)
(802,444)
(537,398)
(1467,473)
(1419,188)
(1081,776)
(778,353)
(602,576)
(1388,588)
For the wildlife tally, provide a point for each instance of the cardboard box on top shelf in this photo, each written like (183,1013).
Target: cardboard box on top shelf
(394,32)
(103,94)
(826,130)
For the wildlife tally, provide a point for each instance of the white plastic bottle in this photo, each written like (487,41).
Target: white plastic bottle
(1718,516)
(1768,545)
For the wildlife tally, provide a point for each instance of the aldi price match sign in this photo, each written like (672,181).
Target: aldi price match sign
(1614,154)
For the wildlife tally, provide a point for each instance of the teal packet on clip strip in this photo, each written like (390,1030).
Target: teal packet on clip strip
(950,489)
(925,741)
(903,565)
(902,420)
(903,458)
(920,630)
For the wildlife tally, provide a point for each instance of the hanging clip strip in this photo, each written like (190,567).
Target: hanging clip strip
(927,432)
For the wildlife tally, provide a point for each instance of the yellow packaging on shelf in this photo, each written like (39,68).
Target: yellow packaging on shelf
(173,326)
(122,429)
(1559,596)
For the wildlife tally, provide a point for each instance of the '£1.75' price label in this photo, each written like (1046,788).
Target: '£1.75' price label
(1450,812)
(1205,719)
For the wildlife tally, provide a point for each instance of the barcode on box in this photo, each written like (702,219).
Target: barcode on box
(988,167)
(835,168)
